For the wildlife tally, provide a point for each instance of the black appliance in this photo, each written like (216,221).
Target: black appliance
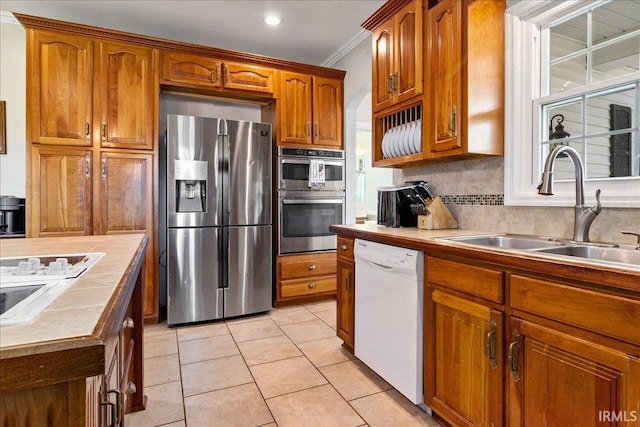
(400,205)
(12,216)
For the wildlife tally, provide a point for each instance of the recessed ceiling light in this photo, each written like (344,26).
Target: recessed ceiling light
(272,20)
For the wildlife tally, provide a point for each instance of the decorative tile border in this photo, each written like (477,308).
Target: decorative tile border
(473,199)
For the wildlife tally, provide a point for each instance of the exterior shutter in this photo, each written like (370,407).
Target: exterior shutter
(620,147)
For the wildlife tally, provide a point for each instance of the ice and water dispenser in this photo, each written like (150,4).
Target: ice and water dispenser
(190,178)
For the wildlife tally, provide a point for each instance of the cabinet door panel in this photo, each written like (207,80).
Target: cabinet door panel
(126,193)
(125,96)
(465,381)
(382,67)
(61,192)
(445,56)
(566,380)
(327,111)
(60,94)
(192,69)
(248,77)
(295,108)
(345,298)
(409,51)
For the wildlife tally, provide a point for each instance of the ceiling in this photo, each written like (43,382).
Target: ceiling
(315,32)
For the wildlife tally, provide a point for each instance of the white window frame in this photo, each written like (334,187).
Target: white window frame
(522,85)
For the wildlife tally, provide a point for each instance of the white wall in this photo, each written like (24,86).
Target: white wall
(13,91)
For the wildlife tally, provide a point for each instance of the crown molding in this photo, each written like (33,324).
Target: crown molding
(8,18)
(346,48)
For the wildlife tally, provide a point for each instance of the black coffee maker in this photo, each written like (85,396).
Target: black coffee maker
(11,216)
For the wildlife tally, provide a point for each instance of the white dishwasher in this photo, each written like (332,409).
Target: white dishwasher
(388,314)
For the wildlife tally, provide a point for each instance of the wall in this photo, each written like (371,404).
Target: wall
(12,90)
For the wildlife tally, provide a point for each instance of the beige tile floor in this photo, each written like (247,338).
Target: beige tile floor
(284,368)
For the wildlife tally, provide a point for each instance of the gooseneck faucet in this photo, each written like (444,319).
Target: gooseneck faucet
(584,215)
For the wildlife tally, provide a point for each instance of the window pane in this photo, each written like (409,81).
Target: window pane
(569,37)
(599,110)
(569,119)
(568,74)
(614,19)
(616,60)
(598,163)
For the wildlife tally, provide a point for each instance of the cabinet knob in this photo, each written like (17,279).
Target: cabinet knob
(312,285)
(128,323)
(343,247)
(131,388)
(312,267)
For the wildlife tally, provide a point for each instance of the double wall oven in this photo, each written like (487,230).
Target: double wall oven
(309,203)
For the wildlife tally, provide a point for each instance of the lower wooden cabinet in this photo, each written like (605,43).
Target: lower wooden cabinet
(305,278)
(346,292)
(569,380)
(463,381)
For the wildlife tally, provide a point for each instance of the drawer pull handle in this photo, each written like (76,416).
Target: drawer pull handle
(514,356)
(348,282)
(343,247)
(492,345)
(104,131)
(312,285)
(312,267)
(128,323)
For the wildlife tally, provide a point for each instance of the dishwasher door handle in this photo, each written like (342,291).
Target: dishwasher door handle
(375,264)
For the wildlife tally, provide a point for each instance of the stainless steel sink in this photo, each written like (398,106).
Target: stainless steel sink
(625,256)
(507,241)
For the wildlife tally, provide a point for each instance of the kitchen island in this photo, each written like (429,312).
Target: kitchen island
(80,362)
(514,337)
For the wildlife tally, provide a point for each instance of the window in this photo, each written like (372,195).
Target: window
(573,64)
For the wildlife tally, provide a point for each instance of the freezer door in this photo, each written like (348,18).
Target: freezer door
(247,178)
(248,270)
(193,275)
(194,180)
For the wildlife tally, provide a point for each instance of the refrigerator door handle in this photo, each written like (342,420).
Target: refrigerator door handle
(224,254)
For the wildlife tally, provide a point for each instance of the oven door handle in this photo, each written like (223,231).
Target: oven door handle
(310,201)
(307,161)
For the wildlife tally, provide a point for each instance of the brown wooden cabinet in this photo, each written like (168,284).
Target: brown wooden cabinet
(85,91)
(62,191)
(583,374)
(465,59)
(124,101)
(310,110)
(304,278)
(346,292)
(463,345)
(460,66)
(397,57)
(59,96)
(211,73)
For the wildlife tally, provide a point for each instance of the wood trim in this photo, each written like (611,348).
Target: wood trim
(381,15)
(119,36)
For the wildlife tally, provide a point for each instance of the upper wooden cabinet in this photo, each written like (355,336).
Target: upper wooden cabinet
(397,57)
(60,71)
(205,72)
(460,113)
(310,110)
(124,96)
(465,56)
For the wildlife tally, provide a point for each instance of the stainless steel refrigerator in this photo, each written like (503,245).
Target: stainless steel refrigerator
(219,251)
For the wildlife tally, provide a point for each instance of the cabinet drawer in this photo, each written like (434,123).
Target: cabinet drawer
(481,282)
(308,267)
(605,314)
(345,248)
(310,286)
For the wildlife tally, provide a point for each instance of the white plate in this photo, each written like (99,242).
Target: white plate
(392,142)
(384,145)
(401,139)
(417,137)
(412,130)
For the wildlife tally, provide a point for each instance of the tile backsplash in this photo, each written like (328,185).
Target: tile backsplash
(473,190)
